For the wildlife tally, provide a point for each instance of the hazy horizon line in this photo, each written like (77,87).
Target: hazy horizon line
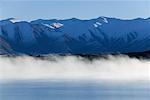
(111,17)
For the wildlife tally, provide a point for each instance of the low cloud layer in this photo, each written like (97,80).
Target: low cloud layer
(74,68)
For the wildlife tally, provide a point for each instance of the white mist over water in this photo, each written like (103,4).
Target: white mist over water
(117,68)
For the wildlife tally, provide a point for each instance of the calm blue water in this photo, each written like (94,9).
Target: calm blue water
(59,90)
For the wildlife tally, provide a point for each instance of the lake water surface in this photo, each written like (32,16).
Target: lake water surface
(74,90)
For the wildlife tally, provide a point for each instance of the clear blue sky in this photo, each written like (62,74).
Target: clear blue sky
(83,9)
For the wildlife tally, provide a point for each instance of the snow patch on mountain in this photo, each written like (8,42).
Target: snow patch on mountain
(97,24)
(14,20)
(105,20)
(53,25)
(56,25)
(47,25)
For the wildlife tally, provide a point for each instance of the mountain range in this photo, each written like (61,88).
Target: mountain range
(101,35)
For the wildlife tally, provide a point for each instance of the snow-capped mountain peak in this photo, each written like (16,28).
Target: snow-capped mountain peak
(14,20)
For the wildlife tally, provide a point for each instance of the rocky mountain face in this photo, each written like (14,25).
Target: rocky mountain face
(74,36)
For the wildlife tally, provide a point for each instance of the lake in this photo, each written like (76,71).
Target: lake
(74,90)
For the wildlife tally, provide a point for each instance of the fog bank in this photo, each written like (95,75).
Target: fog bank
(117,68)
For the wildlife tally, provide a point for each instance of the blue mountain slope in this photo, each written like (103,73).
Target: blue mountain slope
(75,36)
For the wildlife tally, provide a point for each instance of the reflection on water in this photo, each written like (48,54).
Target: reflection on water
(56,90)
